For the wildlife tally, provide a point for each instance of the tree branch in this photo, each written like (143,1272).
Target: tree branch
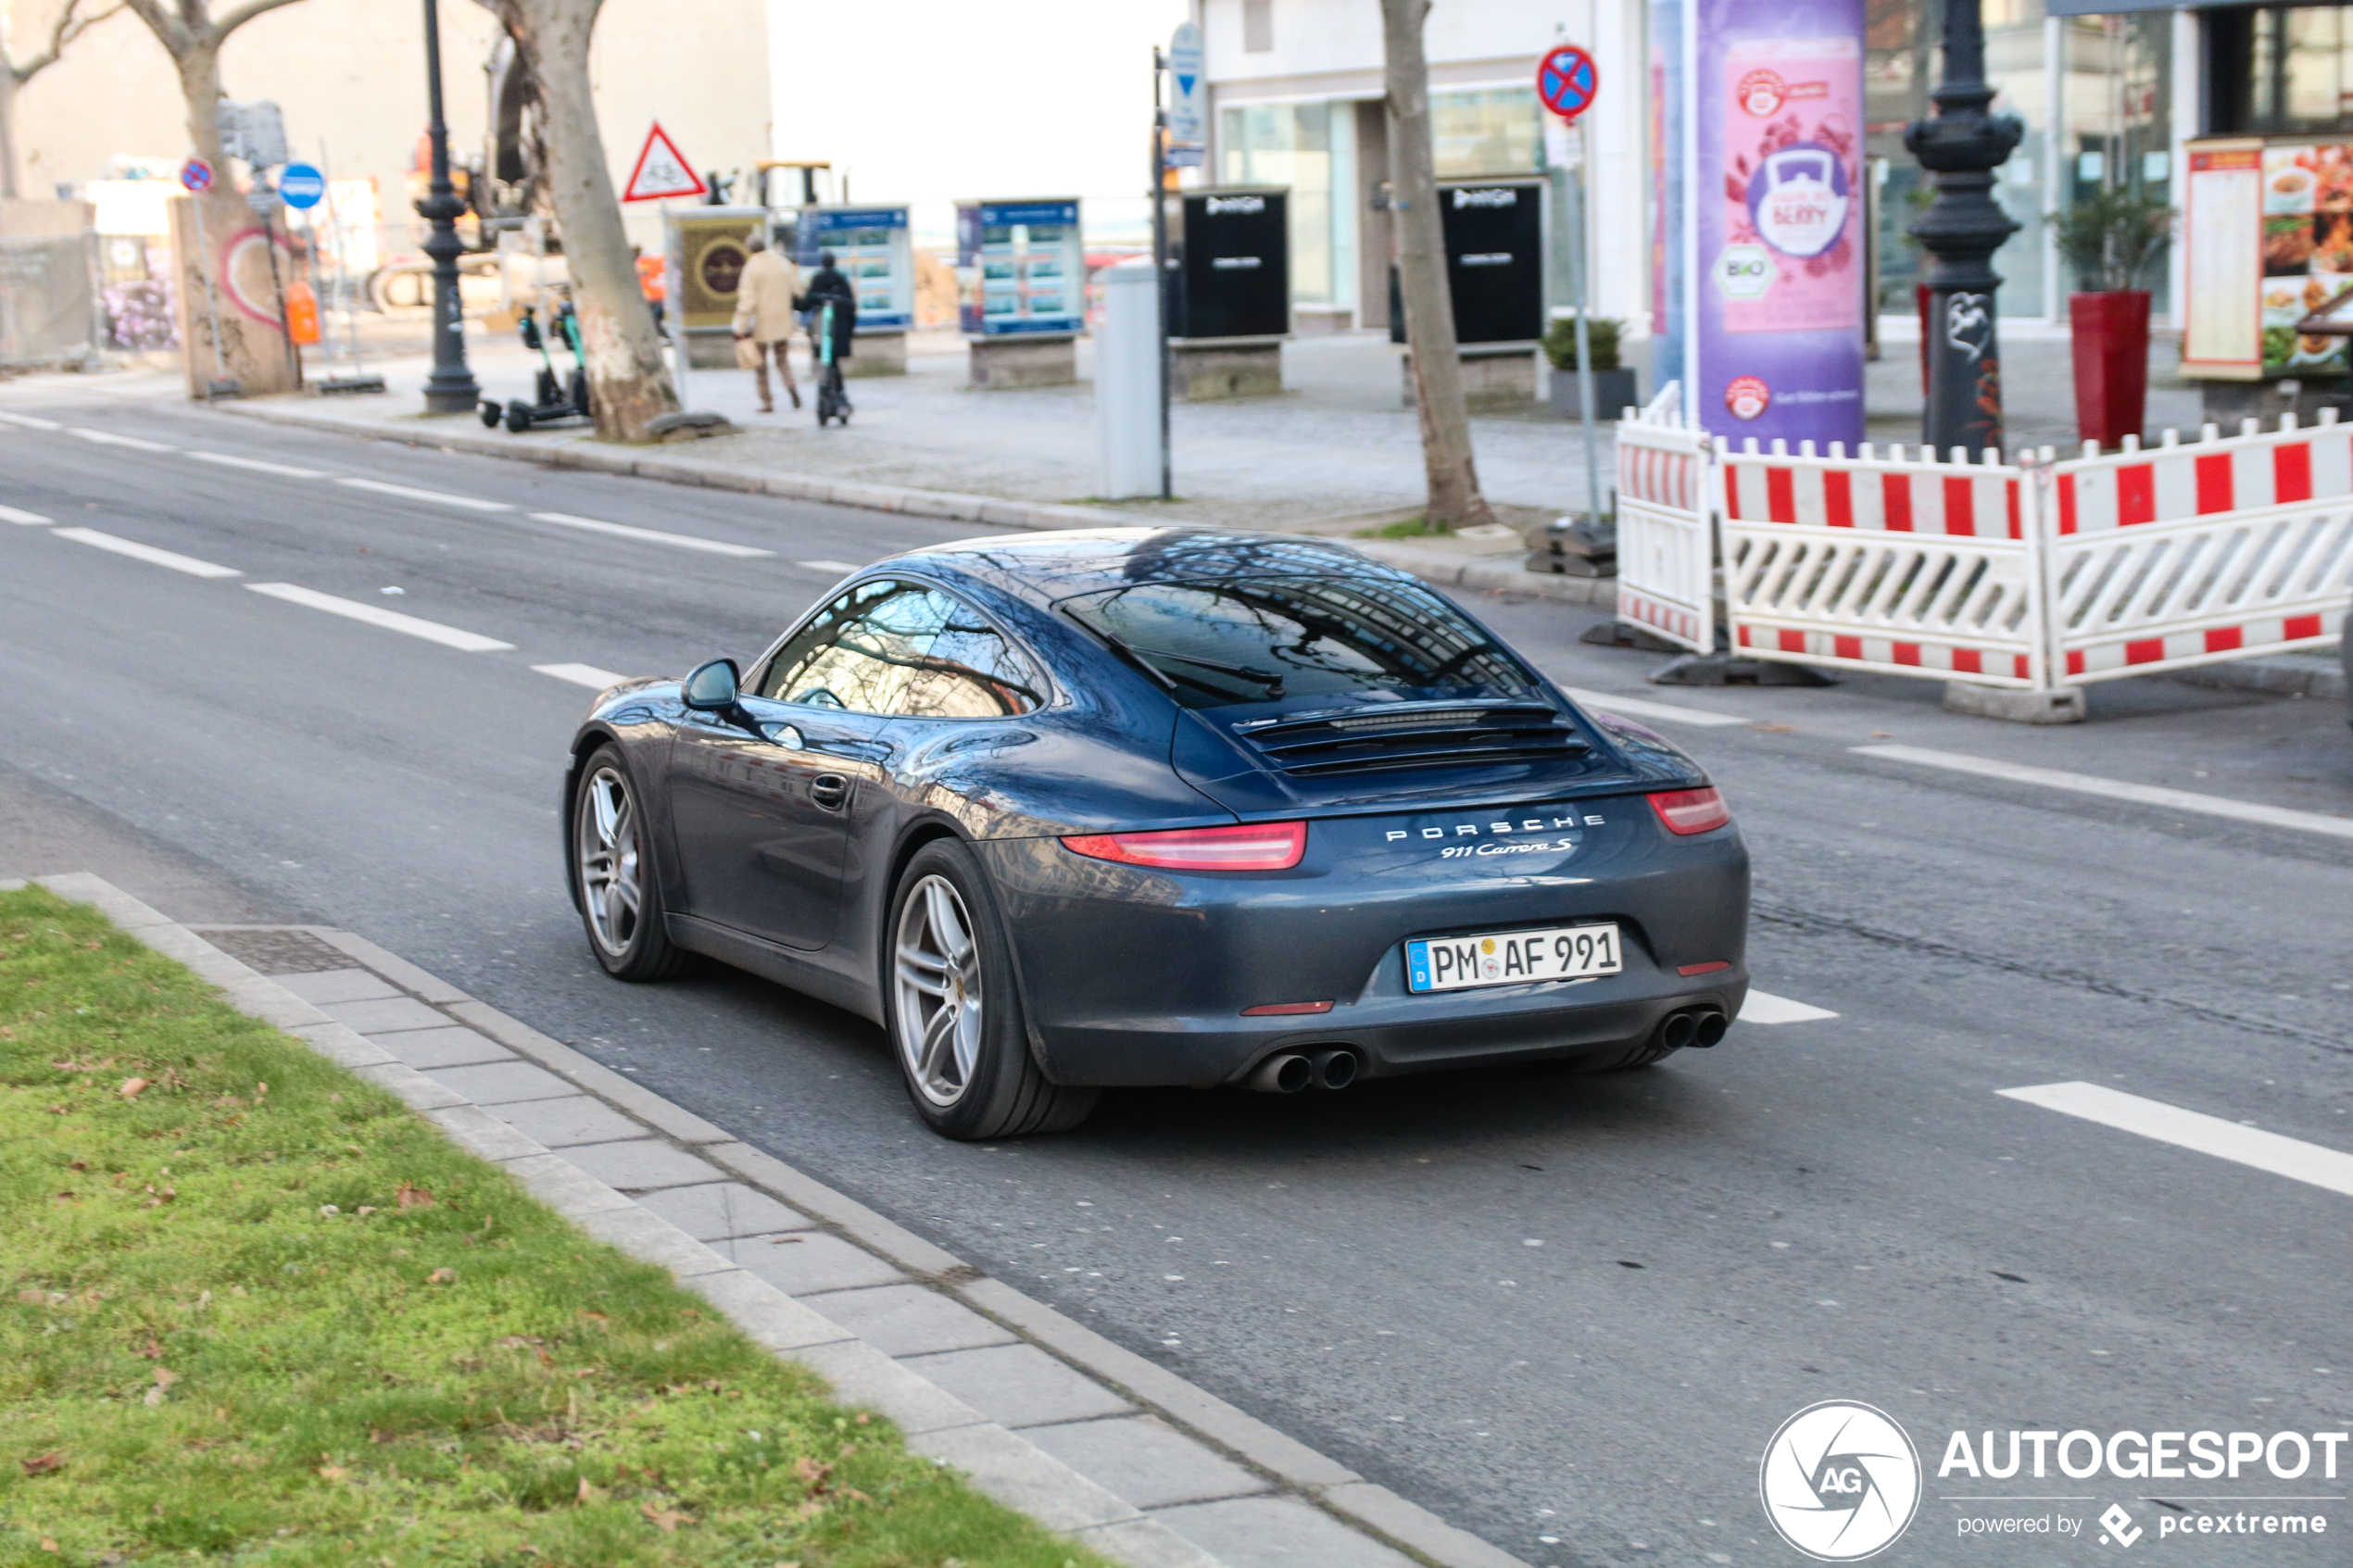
(169,30)
(71,25)
(245,13)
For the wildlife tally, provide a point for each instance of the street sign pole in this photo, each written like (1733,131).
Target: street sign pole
(1567,80)
(195,177)
(1159,266)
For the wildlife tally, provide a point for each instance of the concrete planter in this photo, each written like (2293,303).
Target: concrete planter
(1613,393)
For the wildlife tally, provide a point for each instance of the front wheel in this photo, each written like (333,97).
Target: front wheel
(956,1022)
(613,875)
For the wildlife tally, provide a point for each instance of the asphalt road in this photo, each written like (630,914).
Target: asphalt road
(1567,1313)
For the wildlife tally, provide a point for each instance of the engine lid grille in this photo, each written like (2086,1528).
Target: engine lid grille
(1437,735)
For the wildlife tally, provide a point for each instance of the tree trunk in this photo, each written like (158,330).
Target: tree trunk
(627,381)
(7,129)
(1454,501)
(199,68)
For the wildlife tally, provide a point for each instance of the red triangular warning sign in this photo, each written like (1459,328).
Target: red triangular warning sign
(662,171)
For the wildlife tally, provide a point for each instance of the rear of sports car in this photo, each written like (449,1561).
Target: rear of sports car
(1435,860)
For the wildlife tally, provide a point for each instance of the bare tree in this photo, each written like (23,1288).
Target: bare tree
(192,37)
(1455,500)
(70,22)
(628,384)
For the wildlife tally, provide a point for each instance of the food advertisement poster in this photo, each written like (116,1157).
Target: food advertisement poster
(1781,210)
(2308,251)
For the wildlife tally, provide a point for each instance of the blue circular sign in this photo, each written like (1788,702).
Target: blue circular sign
(195,174)
(1569,80)
(301,185)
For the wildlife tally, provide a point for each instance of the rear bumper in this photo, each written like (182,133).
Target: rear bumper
(1135,977)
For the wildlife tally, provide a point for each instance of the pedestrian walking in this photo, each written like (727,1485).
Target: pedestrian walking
(764,301)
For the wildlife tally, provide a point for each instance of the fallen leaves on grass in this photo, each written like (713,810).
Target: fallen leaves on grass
(133,1088)
(811,1473)
(333,1473)
(165,1378)
(43,1465)
(442,1276)
(410,1197)
(665,1518)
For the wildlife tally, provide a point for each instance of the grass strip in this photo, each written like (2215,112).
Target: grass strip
(253,1310)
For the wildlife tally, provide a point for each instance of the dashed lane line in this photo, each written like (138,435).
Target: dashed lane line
(827,565)
(1763,1006)
(651,535)
(30,519)
(148,553)
(391,621)
(1642,708)
(440,497)
(2117,789)
(2286,1156)
(285,471)
(581,675)
(107,438)
(29,422)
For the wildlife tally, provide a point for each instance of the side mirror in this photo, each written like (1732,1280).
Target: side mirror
(711,687)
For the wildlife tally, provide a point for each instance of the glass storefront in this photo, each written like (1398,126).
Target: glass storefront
(1310,148)
(2282,70)
(1496,132)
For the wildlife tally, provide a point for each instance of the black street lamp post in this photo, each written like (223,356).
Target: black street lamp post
(1960,147)
(451,389)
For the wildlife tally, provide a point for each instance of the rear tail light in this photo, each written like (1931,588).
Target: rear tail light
(1246,846)
(1691,810)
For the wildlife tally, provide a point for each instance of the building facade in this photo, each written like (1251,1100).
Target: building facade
(2106,100)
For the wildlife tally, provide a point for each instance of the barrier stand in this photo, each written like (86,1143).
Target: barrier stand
(1666,554)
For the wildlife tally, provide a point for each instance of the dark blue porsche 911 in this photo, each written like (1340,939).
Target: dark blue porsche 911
(1065,810)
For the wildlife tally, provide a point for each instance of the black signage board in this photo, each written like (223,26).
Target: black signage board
(1231,277)
(1494,232)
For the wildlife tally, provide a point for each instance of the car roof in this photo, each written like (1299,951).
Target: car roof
(1047,565)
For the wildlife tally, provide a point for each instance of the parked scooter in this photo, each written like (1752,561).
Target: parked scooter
(833,398)
(559,398)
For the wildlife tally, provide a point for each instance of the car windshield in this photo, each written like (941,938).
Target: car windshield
(1275,639)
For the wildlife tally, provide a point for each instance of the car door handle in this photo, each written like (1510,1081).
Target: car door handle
(830,791)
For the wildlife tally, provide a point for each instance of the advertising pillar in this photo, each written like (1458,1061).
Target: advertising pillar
(1775,219)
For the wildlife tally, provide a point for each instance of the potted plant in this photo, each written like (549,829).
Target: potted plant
(1614,388)
(2110,237)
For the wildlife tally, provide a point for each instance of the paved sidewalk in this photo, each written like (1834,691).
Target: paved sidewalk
(1043,1413)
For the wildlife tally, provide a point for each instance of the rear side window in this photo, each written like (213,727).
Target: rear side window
(904,651)
(1269,639)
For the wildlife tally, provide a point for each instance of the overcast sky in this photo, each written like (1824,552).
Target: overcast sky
(927,101)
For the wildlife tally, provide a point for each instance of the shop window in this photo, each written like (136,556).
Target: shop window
(1492,132)
(2280,69)
(1310,148)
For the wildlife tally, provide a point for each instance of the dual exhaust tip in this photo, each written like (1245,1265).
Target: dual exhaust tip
(1288,1072)
(1701,1027)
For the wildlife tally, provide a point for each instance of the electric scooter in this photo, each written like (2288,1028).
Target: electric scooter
(558,399)
(833,398)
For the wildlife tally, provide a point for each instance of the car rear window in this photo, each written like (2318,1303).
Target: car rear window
(1272,639)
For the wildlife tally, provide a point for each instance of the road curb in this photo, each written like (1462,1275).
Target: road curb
(999,1463)
(1440,567)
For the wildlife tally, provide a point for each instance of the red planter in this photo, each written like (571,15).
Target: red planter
(2111,334)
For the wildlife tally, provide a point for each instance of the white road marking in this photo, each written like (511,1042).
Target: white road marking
(2286,1156)
(10,514)
(148,553)
(651,536)
(391,621)
(29,422)
(827,565)
(1763,1006)
(580,674)
(2116,789)
(409,493)
(288,470)
(1640,707)
(107,438)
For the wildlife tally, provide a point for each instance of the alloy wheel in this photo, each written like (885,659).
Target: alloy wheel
(939,1013)
(610,861)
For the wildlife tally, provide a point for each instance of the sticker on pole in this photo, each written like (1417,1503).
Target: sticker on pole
(300,186)
(196,175)
(1569,80)
(662,171)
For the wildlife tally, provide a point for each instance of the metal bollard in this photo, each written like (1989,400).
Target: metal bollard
(1128,383)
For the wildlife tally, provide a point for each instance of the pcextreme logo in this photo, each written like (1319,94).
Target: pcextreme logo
(1840,1481)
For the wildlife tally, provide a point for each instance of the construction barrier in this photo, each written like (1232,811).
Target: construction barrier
(2035,574)
(1665,495)
(2189,554)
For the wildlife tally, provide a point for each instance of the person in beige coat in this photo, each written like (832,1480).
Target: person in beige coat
(764,315)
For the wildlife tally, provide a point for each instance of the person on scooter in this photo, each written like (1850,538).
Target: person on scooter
(827,286)
(765,294)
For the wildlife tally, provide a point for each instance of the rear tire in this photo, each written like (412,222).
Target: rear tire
(613,876)
(953,1014)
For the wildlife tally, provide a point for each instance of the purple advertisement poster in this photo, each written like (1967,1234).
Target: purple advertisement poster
(1778,213)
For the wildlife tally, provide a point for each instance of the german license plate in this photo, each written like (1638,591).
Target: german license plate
(1512,958)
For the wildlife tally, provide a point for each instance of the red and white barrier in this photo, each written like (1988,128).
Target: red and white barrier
(1666,496)
(2189,554)
(1910,565)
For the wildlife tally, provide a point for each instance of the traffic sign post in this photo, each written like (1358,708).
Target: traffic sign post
(196,175)
(1567,80)
(300,186)
(196,178)
(661,172)
(1188,136)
